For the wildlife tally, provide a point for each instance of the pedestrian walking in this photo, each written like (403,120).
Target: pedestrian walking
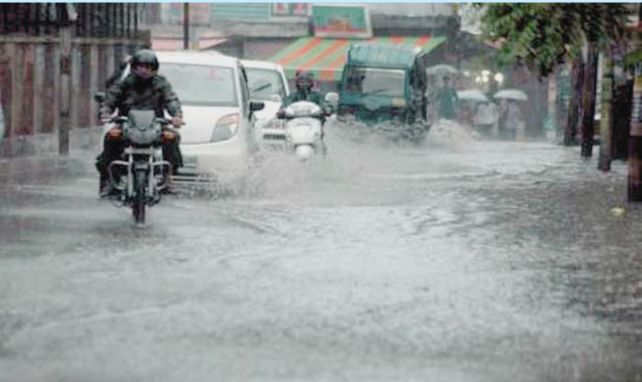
(447,100)
(485,118)
(512,121)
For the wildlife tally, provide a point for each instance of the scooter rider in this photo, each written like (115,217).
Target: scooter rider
(142,89)
(304,82)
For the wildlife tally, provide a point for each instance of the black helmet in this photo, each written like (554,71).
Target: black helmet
(145,56)
(304,80)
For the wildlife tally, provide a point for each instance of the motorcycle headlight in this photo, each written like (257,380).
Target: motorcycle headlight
(225,128)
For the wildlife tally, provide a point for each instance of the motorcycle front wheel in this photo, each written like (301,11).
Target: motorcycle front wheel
(138,205)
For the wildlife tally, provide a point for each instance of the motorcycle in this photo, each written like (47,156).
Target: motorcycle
(142,171)
(303,128)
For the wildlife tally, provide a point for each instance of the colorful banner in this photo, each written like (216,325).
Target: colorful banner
(290,9)
(340,21)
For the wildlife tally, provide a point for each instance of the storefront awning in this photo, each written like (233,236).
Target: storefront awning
(325,57)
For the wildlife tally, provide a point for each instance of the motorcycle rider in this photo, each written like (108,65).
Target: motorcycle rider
(141,89)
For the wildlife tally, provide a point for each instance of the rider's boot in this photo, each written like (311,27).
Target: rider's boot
(106,187)
(169,188)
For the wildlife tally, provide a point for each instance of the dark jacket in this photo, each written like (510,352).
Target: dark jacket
(311,96)
(133,92)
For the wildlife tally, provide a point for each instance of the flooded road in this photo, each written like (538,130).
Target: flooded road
(454,260)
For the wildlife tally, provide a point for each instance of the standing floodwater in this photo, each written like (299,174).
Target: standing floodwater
(451,260)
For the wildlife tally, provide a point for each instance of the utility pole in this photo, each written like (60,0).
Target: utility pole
(67,16)
(635,140)
(588,100)
(606,122)
(575,103)
(635,137)
(186,26)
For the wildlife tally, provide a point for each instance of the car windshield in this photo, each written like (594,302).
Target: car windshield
(264,82)
(204,85)
(370,81)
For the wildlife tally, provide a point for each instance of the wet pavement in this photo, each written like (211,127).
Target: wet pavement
(453,260)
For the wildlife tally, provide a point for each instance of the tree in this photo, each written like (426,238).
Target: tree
(546,35)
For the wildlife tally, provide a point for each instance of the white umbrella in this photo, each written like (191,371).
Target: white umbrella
(442,69)
(513,94)
(472,95)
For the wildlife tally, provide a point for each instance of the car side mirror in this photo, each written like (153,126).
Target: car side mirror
(100,97)
(256,106)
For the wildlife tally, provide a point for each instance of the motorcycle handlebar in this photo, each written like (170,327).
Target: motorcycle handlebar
(121,119)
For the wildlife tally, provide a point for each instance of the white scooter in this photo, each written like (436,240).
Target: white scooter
(303,129)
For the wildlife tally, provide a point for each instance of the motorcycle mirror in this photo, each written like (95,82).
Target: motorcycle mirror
(256,105)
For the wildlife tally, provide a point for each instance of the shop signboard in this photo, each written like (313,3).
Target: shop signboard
(341,21)
(290,9)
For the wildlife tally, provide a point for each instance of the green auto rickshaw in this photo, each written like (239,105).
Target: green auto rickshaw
(384,86)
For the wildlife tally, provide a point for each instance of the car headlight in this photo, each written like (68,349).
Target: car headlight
(225,128)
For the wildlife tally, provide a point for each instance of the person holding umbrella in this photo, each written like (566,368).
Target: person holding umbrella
(447,100)
(511,120)
(485,117)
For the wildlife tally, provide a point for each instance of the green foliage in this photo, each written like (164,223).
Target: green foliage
(544,35)
(632,58)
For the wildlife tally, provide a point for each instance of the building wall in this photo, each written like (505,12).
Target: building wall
(216,16)
(30,66)
(210,14)
(411,9)
(259,30)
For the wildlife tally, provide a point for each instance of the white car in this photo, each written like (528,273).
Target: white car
(268,84)
(217,139)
